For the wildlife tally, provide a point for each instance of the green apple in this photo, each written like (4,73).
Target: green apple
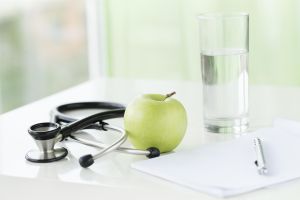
(155,120)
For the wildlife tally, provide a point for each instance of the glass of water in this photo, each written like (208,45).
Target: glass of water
(224,47)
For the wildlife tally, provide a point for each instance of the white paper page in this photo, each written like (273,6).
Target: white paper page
(228,168)
(287,125)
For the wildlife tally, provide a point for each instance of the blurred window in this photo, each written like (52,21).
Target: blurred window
(43,43)
(43,49)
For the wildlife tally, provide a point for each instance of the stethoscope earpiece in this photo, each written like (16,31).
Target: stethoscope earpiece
(86,161)
(153,152)
(46,135)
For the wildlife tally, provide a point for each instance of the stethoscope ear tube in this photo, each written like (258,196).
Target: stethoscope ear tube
(83,123)
(87,160)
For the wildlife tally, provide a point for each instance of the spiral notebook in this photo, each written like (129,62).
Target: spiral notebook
(227,168)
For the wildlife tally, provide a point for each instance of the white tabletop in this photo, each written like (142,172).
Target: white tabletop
(111,176)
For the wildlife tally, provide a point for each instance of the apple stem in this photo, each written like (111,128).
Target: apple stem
(169,95)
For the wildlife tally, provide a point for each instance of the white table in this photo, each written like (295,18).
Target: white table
(111,176)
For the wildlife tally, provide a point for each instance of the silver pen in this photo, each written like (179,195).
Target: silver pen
(260,158)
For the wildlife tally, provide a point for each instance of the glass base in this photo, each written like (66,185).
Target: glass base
(227,126)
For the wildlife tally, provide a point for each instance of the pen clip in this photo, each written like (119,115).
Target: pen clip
(260,162)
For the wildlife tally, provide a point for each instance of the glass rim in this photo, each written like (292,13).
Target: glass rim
(217,15)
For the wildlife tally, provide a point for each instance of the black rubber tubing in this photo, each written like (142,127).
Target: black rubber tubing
(59,116)
(82,123)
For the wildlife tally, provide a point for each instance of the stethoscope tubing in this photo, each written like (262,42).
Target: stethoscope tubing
(118,111)
(114,145)
(100,145)
(68,129)
(58,113)
(70,126)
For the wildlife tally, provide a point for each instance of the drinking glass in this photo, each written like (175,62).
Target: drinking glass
(224,48)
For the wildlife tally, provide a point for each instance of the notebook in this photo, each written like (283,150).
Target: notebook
(227,168)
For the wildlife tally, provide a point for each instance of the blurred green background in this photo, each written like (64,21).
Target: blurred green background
(154,38)
(43,43)
(42,49)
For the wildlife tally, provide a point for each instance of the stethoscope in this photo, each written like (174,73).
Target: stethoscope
(64,127)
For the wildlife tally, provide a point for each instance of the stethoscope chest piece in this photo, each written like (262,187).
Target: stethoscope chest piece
(46,135)
(46,157)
